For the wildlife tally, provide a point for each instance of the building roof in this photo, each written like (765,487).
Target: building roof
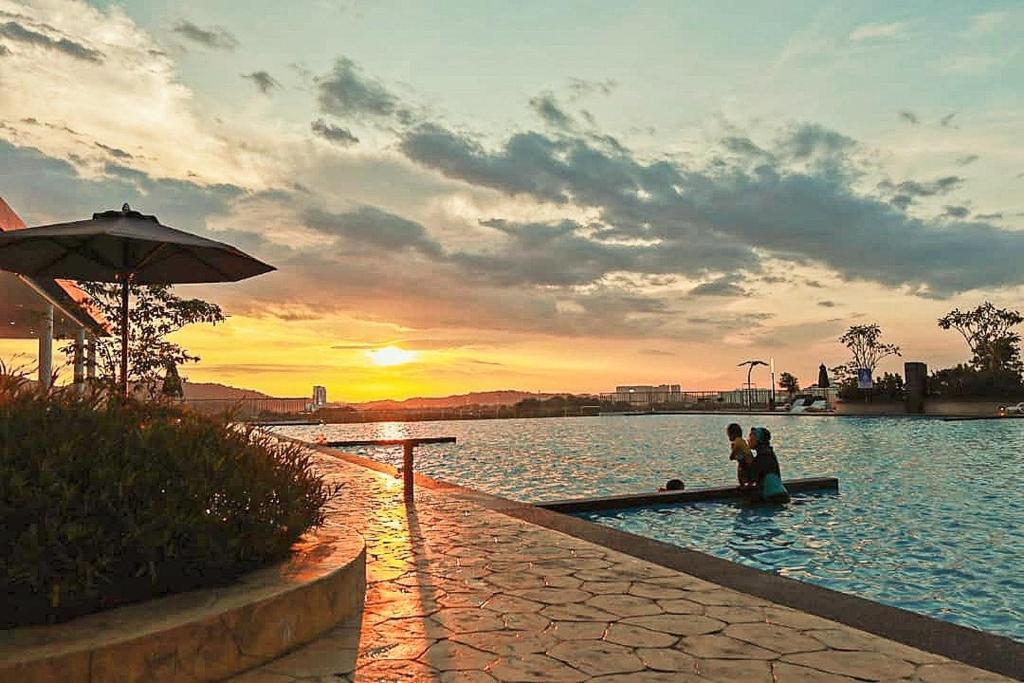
(23,299)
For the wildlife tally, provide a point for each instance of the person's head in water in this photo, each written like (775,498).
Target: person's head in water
(674,485)
(759,437)
(734,431)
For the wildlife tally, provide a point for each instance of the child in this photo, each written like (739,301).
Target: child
(742,454)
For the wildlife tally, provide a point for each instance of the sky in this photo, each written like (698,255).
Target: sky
(538,196)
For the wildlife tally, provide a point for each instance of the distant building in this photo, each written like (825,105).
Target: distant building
(646,394)
(319,396)
(744,397)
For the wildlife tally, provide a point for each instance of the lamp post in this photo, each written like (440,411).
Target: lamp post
(751,364)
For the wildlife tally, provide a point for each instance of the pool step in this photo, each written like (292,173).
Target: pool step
(692,496)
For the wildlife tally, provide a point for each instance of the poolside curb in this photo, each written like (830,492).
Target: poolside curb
(203,635)
(977,648)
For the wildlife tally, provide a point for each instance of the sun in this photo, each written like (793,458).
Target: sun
(391,355)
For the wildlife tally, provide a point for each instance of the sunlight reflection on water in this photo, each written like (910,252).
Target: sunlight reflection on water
(930,516)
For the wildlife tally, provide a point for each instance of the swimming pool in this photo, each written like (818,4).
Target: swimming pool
(930,514)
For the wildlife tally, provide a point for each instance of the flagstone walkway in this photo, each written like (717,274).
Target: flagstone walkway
(457,592)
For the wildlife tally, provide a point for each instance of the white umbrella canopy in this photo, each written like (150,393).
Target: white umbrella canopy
(128,247)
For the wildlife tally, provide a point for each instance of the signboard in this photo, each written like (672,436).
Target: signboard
(864,379)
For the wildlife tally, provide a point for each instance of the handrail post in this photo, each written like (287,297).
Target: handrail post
(407,474)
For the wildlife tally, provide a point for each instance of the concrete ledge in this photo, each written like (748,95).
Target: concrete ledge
(675,497)
(977,648)
(203,635)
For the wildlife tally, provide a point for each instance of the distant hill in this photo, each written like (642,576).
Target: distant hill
(505,397)
(207,390)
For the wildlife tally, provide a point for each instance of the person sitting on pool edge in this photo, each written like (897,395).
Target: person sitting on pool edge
(766,466)
(673,485)
(741,454)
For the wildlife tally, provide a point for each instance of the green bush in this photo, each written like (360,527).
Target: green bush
(104,502)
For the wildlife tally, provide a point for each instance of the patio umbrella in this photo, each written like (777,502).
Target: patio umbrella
(127,247)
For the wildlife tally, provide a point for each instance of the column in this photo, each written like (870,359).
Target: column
(90,359)
(80,361)
(46,348)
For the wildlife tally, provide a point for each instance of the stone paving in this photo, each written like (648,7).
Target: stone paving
(457,592)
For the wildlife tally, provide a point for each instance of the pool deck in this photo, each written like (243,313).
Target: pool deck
(462,586)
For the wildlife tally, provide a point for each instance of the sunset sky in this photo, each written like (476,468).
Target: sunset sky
(552,196)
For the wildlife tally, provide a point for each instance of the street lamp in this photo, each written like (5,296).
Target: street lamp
(751,364)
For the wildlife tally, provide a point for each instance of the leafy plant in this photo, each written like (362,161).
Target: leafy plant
(789,383)
(989,334)
(866,346)
(155,312)
(108,501)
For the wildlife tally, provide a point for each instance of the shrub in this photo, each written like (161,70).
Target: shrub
(104,502)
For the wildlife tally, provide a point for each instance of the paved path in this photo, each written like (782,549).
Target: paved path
(457,592)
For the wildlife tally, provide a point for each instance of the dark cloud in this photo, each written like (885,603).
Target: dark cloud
(579,87)
(336,134)
(797,202)
(373,227)
(988,216)
(547,108)
(903,194)
(909,117)
(38,185)
(947,121)
(15,31)
(827,304)
(814,284)
(967,159)
(114,152)
(215,37)
(4,51)
(723,286)
(262,80)
(345,91)
(955,211)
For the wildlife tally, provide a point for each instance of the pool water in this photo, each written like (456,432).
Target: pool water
(930,514)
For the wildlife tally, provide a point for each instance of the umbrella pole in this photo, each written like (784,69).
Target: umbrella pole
(124,336)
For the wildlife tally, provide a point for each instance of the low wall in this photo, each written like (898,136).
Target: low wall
(965,408)
(204,635)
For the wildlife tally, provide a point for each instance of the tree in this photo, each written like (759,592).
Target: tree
(155,312)
(866,347)
(989,334)
(789,382)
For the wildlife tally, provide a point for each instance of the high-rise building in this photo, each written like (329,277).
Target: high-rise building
(319,396)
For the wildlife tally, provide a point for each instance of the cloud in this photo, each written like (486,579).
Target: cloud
(988,216)
(46,189)
(947,121)
(262,80)
(132,76)
(336,134)
(896,29)
(12,30)
(723,286)
(374,227)
(345,92)
(548,108)
(903,194)
(656,352)
(115,152)
(580,87)
(827,304)
(800,202)
(910,117)
(4,51)
(950,211)
(967,159)
(214,37)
